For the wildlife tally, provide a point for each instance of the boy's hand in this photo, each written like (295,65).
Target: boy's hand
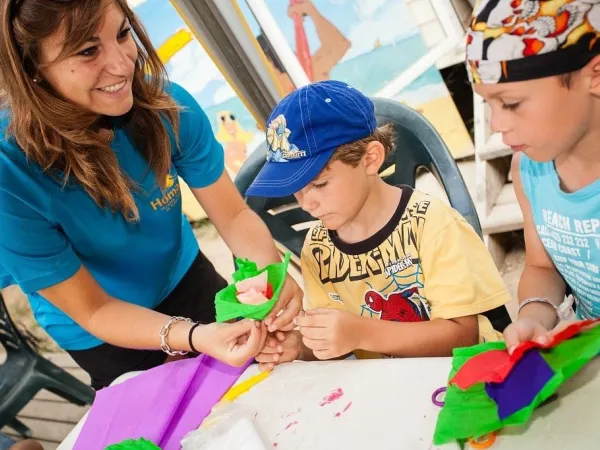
(525,329)
(279,348)
(329,333)
(289,303)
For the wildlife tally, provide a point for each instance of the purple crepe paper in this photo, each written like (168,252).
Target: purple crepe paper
(520,387)
(162,404)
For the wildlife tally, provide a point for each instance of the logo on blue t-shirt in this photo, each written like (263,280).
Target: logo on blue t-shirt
(169,198)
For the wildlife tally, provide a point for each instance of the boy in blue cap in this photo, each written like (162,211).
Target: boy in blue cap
(387,270)
(537,64)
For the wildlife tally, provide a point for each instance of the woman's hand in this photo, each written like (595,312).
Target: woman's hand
(287,307)
(247,236)
(279,348)
(231,343)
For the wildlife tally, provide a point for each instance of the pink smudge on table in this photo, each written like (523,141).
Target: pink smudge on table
(275,444)
(336,394)
(338,414)
(291,424)
(293,413)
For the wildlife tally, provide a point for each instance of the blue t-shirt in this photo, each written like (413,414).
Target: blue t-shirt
(48,231)
(569,227)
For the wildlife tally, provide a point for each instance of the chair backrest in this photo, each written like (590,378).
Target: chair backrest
(418,145)
(10,337)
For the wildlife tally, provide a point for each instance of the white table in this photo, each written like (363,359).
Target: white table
(390,408)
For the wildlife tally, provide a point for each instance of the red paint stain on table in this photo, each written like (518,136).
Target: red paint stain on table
(293,413)
(338,414)
(290,425)
(336,394)
(275,444)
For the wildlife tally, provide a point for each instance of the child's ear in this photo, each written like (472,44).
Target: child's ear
(592,71)
(374,157)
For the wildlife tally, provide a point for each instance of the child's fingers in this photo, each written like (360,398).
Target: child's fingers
(272,350)
(315,344)
(286,318)
(321,321)
(315,333)
(267,357)
(280,336)
(266,367)
(272,341)
(289,327)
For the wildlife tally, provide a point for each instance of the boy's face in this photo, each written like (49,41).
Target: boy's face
(542,117)
(337,195)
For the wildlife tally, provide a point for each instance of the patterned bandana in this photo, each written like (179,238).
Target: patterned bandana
(518,40)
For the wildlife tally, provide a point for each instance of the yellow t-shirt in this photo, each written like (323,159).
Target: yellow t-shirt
(427,263)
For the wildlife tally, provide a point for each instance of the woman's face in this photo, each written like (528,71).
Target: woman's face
(99,75)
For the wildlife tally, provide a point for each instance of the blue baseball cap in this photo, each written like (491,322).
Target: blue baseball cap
(305,129)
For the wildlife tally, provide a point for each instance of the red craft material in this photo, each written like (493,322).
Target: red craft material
(494,366)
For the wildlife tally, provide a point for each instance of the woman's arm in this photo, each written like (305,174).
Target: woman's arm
(243,231)
(247,236)
(131,326)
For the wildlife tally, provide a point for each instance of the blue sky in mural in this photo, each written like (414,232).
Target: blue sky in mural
(361,21)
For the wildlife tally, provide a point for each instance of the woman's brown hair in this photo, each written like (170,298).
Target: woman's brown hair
(65,139)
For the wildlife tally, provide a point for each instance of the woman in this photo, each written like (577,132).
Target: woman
(90,205)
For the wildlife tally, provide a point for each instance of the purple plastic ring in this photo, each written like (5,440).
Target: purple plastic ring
(436,394)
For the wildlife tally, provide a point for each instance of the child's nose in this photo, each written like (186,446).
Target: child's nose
(500,122)
(306,202)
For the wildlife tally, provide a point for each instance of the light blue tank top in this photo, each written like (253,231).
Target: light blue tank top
(569,227)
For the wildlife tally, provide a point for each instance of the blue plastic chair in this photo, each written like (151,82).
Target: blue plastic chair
(418,145)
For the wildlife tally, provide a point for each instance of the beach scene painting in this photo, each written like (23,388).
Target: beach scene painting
(366,43)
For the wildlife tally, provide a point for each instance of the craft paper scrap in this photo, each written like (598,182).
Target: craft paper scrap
(494,365)
(161,405)
(488,406)
(131,444)
(229,307)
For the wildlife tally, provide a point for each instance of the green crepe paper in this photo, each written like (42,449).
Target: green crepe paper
(130,444)
(227,305)
(472,413)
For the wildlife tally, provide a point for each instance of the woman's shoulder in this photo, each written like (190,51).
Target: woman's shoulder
(17,173)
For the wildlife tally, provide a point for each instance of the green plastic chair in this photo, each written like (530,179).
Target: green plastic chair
(418,145)
(25,373)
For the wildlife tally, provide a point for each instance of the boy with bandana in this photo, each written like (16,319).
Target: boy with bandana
(537,65)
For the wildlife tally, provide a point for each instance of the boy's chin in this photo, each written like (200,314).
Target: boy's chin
(331,224)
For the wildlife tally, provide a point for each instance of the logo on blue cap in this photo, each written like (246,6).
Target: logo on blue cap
(279,148)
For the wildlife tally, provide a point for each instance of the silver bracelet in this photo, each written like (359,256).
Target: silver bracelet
(164,332)
(563,311)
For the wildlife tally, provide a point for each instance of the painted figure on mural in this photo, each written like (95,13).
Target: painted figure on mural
(317,65)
